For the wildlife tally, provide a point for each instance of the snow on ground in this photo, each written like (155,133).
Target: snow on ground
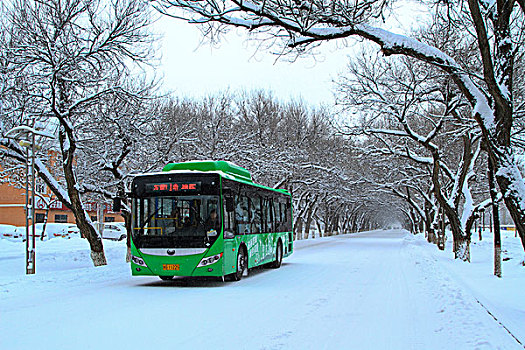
(375,290)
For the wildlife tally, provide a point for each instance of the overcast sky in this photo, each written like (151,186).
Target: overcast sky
(190,69)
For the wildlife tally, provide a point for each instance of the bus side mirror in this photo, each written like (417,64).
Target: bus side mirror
(229,204)
(117,205)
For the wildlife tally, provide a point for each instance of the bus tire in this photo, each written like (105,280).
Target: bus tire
(278,255)
(242,265)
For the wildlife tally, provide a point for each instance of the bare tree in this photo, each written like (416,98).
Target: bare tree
(285,145)
(66,57)
(496,27)
(413,114)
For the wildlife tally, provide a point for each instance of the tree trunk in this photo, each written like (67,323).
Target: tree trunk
(462,248)
(507,182)
(461,239)
(328,225)
(495,213)
(429,222)
(480,228)
(346,225)
(127,220)
(441,240)
(431,234)
(441,232)
(308,220)
(461,243)
(46,218)
(318,224)
(82,218)
(335,224)
(298,229)
(416,221)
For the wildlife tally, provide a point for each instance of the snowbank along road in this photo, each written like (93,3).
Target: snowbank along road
(374,290)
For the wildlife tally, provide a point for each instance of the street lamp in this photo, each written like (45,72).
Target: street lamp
(30,209)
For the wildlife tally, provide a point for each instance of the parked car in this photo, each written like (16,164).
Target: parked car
(121,224)
(38,231)
(114,231)
(11,232)
(73,230)
(53,229)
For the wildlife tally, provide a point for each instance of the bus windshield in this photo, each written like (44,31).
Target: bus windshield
(176,221)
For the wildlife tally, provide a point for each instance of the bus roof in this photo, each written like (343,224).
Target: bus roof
(225,169)
(208,165)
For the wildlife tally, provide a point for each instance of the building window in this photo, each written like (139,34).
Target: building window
(61,218)
(40,217)
(109,219)
(93,218)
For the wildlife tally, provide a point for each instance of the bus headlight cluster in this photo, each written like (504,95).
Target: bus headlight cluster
(138,261)
(210,260)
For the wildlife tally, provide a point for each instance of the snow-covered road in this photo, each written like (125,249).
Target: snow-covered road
(375,290)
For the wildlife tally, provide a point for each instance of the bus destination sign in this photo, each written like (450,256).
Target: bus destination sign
(173,186)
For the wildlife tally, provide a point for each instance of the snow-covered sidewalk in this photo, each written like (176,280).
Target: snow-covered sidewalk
(503,298)
(373,290)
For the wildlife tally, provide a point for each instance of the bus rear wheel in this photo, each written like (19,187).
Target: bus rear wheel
(242,265)
(278,255)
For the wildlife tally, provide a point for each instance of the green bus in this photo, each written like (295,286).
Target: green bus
(207,218)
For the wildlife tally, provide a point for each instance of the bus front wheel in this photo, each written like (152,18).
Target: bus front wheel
(242,264)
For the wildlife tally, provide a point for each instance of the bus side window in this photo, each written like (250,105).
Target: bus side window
(242,214)
(284,219)
(268,214)
(264,221)
(277,217)
(229,217)
(255,214)
(288,215)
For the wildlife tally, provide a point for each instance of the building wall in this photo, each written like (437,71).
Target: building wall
(12,203)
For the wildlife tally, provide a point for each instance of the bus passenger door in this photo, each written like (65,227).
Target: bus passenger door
(230,246)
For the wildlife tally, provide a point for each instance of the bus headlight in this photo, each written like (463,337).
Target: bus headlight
(138,261)
(210,260)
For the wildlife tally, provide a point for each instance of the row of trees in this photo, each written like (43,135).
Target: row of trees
(284,145)
(70,67)
(68,64)
(418,144)
(452,89)
(415,116)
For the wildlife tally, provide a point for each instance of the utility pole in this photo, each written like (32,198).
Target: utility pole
(29,142)
(100,218)
(31,269)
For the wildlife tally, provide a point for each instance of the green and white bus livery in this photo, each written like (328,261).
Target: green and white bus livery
(207,218)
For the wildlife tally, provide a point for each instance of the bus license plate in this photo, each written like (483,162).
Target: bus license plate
(171,267)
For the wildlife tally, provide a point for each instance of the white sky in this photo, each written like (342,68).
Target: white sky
(190,69)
